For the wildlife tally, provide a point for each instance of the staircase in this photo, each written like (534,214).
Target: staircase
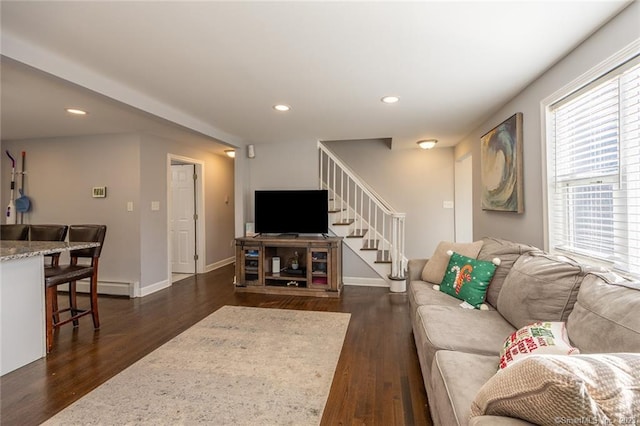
(370,227)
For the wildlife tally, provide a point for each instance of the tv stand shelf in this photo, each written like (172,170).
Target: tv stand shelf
(309,265)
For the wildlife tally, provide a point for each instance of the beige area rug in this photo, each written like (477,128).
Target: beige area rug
(238,366)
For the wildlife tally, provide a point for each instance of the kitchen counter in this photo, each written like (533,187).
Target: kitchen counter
(22,299)
(10,250)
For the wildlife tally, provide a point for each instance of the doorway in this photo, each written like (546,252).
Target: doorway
(463,214)
(185,195)
(183,223)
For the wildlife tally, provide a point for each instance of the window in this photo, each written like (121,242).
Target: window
(593,151)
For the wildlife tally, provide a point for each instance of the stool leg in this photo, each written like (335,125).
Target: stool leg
(94,300)
(50,295)
(54,304)
(73,302)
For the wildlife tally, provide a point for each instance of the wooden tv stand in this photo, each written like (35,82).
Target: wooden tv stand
(319,271)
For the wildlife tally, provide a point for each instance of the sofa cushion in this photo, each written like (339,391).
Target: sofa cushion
(457,377)
(537,338)
(508,252)
(434,269)
(540,287)
(414,269)
(604,388)
(465,330)
(423,293)
(467,279)
(606,317)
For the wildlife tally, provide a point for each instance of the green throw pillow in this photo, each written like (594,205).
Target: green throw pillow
(467,279)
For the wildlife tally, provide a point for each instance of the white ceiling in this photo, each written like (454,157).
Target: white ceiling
(219,67)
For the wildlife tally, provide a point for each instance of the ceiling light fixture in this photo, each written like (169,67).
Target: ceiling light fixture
(427,143)
(76,111)
(282,107)
(390,99)
(231,153)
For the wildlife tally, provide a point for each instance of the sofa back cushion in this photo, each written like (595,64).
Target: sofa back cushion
(540,287)
(436,267)
(508,252)
(606,317)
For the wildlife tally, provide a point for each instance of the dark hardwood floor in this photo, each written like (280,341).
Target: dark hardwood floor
(377,380)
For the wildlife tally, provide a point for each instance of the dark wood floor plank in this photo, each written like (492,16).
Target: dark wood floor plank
(377,380)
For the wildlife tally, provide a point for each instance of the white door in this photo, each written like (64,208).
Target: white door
(464,200)
(183,230)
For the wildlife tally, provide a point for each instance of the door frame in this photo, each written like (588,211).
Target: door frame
(199,209)
(463,196)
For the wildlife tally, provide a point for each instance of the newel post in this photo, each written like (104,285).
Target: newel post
(397,275)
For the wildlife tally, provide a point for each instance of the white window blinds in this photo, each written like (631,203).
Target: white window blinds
(594,173)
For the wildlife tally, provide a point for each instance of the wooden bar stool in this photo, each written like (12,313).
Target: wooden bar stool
(58,275)
(49,233)
(14,232)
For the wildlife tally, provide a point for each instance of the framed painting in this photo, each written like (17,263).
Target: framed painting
(501,167)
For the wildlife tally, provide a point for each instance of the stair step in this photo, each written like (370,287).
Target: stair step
(336,210)
(357,233)
(370,244)
(383,256)
(344,222)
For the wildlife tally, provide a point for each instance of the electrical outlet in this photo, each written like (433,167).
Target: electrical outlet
(447,204)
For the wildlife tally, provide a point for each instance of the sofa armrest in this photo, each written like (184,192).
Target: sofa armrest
(414,269)
(497,421)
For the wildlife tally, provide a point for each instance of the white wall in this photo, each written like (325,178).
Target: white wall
(218,177)
(62,171)
(529,227)
(279,166)
(153,224)
(61,174)
(412,181)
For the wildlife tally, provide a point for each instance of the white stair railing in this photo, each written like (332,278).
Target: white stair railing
(364,211)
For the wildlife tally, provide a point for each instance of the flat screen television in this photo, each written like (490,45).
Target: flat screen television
(292,211)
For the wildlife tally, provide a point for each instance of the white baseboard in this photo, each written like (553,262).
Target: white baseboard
(119,288)
(220,264)
(365,282)
(149,289)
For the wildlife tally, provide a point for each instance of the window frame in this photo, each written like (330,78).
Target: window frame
(623,59)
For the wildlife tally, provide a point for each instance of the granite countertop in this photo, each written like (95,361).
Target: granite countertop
(10,250)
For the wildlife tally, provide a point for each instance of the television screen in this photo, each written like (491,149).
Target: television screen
(292,212)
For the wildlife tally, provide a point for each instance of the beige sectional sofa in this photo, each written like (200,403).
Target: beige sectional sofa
(459,348)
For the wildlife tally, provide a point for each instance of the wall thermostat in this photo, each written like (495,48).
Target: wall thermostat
(99,192)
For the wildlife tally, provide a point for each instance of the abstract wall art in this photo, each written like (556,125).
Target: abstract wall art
(501,167)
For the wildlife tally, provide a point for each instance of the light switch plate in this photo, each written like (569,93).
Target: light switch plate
(447,204)
(155,206)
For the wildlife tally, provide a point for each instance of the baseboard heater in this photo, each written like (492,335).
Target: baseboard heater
(112,288)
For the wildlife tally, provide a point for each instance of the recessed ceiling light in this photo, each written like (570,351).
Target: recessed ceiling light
(390,99)
(76,111)
(427,143)
(281,107)
(231,153)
